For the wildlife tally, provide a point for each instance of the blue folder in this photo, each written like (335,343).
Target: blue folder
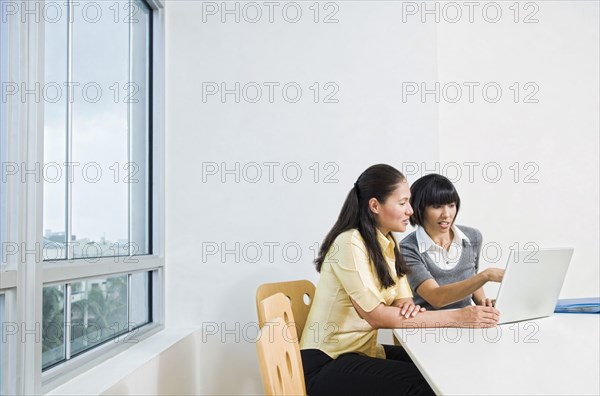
(578,305)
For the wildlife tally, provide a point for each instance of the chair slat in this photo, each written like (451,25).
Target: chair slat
(300,293)
(278,349)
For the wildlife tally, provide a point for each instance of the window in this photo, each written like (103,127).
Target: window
(98,170)
(97,133)
(100,309)
(89,132)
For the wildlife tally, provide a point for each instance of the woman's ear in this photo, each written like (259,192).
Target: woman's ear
(374,205)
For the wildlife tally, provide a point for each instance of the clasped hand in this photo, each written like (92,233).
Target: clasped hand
(408,308)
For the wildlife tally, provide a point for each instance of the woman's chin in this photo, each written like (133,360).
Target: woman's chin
(401,228)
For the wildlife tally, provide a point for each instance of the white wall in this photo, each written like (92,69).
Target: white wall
(559,135)
(367,54)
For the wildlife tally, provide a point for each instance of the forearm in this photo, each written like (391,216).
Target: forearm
(386,317)
(453,292)
(389,317)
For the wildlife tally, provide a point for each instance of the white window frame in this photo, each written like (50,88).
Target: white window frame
(8,355)
(22,279)
(8,275)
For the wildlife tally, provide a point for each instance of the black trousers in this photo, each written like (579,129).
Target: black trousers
(354,374)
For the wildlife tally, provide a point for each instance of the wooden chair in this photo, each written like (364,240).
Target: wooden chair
(278,349)
(280,371)
(300,294)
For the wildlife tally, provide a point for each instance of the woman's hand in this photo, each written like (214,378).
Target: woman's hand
(494,274)
(408,309)
(478,316)
(486,302)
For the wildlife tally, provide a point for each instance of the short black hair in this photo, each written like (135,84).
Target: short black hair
(431,190)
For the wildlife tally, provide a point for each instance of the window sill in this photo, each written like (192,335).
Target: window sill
(108,373)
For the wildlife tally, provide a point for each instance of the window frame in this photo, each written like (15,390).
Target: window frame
(8,354)
(8,278)
(22,279)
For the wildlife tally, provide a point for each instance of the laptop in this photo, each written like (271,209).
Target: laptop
(531,283)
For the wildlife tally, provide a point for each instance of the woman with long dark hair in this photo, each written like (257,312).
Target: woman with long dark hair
(362,288)
(444,257)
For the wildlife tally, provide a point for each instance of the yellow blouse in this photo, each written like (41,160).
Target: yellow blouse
(333,325)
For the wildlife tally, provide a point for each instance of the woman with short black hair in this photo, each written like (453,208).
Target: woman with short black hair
(362,288)
(442,257)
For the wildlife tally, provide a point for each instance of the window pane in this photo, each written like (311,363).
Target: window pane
(98,311)
(140,299)
(53,324)
(100,133)
(55,137)
(140,129)
(109,140)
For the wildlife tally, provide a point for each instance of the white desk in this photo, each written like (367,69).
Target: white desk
(559,355)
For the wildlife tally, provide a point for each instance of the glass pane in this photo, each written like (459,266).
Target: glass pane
(98,311)
(53,325)
(55,135)
(140,129)
(110,130)
(140,299)
(100,135)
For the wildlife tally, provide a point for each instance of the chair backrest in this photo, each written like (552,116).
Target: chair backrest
(279,359)
(300,294)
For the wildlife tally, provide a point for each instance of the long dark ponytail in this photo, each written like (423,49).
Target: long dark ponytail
(378,181)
